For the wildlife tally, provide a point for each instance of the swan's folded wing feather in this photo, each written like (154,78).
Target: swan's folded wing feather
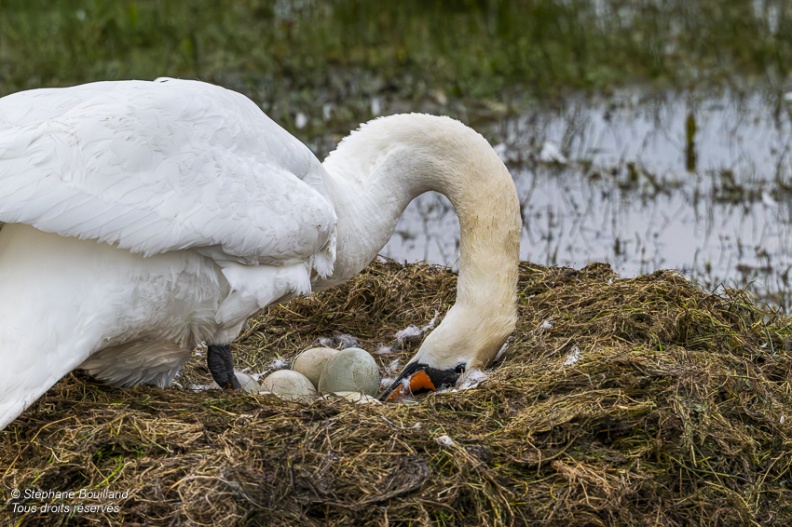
(161,166)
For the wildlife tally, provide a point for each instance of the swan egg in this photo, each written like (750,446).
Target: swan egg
(246,381)
(312,361)
(289,384)
(350,370)
(358,397)
(249,384)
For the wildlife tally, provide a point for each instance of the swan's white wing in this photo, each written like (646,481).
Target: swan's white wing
(160,166)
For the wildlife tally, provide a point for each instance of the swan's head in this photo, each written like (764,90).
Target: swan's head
(419,378)
(466,339)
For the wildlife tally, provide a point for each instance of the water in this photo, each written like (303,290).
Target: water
(696,182)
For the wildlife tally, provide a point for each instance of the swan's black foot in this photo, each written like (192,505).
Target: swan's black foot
(221,366)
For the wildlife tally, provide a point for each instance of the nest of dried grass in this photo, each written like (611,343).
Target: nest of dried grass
(641,401)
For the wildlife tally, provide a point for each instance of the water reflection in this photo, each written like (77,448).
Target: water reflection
(692,182)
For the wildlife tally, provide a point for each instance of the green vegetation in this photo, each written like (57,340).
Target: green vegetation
(306,54)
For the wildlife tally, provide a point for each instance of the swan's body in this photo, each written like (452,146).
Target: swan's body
(143,217)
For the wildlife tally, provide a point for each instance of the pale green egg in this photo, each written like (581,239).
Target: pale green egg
(350,370)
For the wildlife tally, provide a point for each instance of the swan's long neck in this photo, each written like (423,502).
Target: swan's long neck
(378,170)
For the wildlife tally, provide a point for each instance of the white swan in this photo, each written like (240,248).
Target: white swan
(142,217)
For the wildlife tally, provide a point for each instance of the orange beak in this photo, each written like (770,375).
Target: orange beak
(419,382)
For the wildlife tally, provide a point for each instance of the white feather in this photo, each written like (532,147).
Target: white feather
(221,210)
(156,167)
(143,218)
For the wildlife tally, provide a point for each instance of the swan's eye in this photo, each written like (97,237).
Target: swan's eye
(460,368)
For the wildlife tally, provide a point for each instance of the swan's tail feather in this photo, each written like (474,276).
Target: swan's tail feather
(39,338)
(34,355)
